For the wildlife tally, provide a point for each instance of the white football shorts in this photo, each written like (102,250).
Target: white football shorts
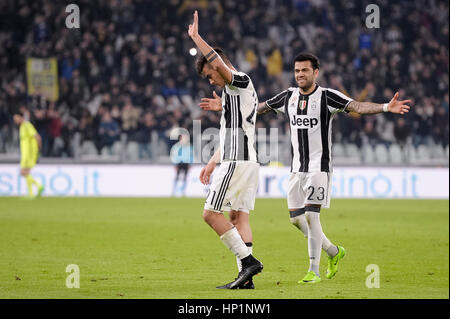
(234,186)
(309,188)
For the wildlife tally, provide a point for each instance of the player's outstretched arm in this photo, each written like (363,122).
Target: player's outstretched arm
(394,106)
(263,108)
(214,104)
(274,104)
(214,60)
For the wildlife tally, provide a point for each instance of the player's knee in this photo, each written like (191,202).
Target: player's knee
(294,221)
(205,215)
(297,218)
(293,214)
(312,214)
(208,216)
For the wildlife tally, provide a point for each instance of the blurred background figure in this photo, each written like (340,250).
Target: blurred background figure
(182,156)
(108,132)
(30,145)
(144,135)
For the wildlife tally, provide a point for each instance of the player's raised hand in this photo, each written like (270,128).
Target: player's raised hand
(214,104)
(398,107)
(193,28)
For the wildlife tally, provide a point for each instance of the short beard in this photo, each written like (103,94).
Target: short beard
(307,86)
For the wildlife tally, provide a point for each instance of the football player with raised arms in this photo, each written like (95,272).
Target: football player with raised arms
(310,109)
(234,185)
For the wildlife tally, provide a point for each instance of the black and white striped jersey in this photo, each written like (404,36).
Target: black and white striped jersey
(237,124)
(310,118)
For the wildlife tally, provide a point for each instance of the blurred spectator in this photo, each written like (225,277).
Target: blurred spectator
(54,130)
(401,131)
(421,125)
(41,123)
(86,128)
(371,136)
(130,118)
(144,135)
(4,128)
(440,131)
(274,63)
(67,132)
(68,66)
(385,129)
(108,132)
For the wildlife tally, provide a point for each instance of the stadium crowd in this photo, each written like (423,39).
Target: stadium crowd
(127,69)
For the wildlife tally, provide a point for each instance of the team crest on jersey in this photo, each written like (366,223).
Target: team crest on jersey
(302,104)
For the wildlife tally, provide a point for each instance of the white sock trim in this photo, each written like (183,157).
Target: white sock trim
(233,240)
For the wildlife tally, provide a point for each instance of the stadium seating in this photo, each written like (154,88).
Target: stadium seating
(437,152)
(368,154)
(396,155)
(132,151)
(338,150)
(423,154)
(88,148)
(353,154)
(381,154)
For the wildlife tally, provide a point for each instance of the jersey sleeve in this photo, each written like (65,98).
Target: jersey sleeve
(277,102)
(239,79)
(337,101)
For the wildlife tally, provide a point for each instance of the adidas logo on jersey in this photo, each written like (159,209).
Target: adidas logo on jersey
(303,121)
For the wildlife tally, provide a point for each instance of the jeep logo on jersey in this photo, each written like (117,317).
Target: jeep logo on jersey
(303,121)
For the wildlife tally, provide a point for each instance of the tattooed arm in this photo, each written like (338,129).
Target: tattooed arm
(394,106)
(274,104)
(214,60)
(365,107)
(263,108)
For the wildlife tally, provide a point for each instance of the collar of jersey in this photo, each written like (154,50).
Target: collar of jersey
(317,86)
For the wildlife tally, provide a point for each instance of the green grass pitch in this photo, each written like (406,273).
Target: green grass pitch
(161,248)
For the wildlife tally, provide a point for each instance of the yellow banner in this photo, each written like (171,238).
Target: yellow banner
(42,78)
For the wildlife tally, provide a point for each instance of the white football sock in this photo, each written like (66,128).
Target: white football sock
(328,246)
(233,240)
(238,260)
(301,223)
(314,240)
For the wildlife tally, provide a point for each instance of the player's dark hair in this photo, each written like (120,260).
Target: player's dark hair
(308,57)
(201,60)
